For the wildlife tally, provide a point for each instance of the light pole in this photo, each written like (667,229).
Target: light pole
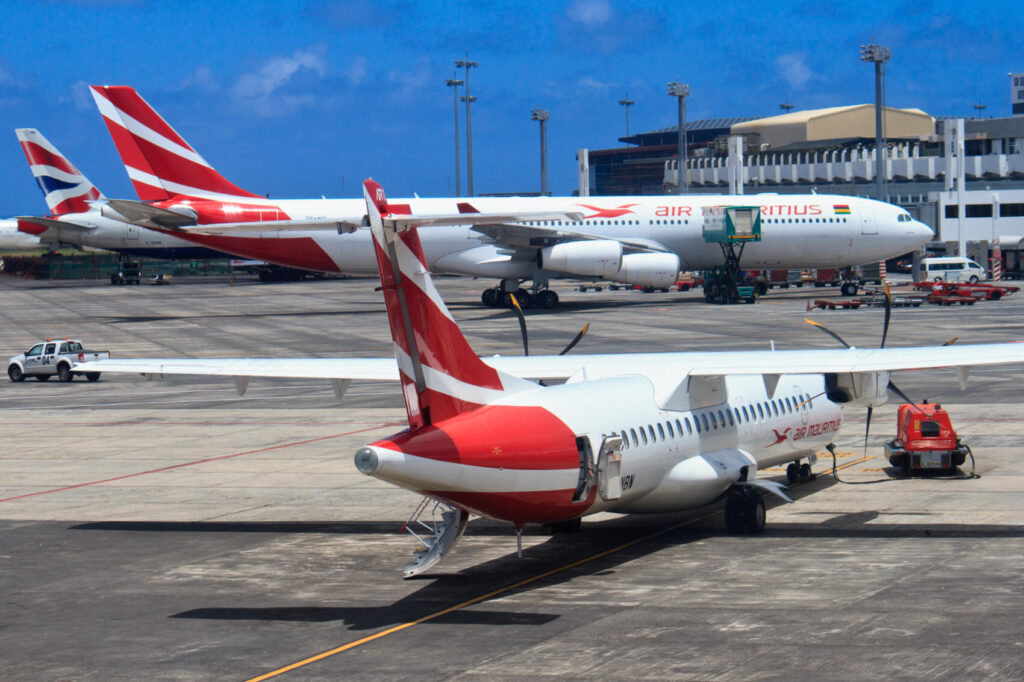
(787,107)
(468,99)
(681,91)
(543,116)
(981,108)
(627,102)
(452,83)
(879,55)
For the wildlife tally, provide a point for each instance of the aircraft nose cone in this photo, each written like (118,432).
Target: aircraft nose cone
(366,460)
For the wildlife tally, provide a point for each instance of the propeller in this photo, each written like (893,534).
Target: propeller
(522,329)
(885,333)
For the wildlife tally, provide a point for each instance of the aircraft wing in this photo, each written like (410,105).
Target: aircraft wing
(535,236)
(565,366)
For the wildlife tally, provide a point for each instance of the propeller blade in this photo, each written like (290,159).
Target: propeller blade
(827,331)
(576,339)
(888,313)
(867,429)
(522,323)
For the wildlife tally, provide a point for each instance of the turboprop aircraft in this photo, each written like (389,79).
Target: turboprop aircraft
(626,433)
(643,240)
(75,217)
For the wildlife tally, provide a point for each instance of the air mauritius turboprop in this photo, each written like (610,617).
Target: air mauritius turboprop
(642,240)
(625,433)
(75,217)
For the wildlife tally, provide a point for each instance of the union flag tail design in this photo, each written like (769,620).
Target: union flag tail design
(441,375)
(65,189)
(160,163)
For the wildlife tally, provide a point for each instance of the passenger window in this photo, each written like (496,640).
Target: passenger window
(704,418)
(729,415)
(746,417)
(625,439)
(679,428)
(633,434)
(689,429)
(650,429)
(721,418)
(643,435)
(760,412)
(714,422)
(668,427)
(775,407)
(661,432)
(789,408)
(696,423)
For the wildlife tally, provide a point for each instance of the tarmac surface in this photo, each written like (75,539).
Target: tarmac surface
(173,530)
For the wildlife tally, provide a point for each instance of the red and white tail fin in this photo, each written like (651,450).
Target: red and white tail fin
(441,375)
(65,189)
(160,163)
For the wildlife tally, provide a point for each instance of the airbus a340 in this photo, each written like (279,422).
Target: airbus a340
(626,433)
(642,240)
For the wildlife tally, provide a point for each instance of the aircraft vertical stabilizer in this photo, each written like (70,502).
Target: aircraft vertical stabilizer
(441,375)
(66,190)
(160,163)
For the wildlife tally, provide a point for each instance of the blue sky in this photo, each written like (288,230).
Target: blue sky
(301,99)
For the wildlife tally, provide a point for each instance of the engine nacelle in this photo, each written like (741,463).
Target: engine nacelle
(868,389)
(648,269)
(598,258)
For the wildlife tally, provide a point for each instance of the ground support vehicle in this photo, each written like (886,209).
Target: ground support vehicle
(846,279)
(732,228)
(980,292)
(925,440)
(128,272)
(53,357)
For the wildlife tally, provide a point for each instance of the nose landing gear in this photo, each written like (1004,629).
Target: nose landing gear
(745,512)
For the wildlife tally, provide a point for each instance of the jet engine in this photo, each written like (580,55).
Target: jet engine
(648,269)
(869,389)
(599,258)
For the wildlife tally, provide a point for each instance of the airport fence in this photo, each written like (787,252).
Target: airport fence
(102,266)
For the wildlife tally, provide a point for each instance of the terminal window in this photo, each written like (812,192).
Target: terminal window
(952,210)
(978,211)
(1011,210)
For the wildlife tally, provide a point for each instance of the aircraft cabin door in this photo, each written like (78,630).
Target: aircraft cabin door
(868,224)
(131,233)
(609,468)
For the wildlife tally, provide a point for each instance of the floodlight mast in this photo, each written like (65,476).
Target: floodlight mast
(879,55)
(453,83)
(468,99)
(627,102)
(681,91)
(542,116)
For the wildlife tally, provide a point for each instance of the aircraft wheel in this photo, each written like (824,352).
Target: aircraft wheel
(524,297)
(754,513)
(793,472)
(489,297)
(735,511)
(547,299)
(15,373)
(805,472)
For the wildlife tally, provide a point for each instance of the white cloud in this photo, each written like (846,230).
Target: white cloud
(794,70)
(81,96)
(591,83)
(358,69)
(259,90)
(201,78)
(590,13)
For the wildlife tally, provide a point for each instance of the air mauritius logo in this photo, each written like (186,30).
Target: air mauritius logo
(608,212)
(780,437)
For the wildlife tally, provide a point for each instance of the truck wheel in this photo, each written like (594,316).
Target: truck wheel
(15,373)
(92,376)
(42,377)
(973,279)
(64,373)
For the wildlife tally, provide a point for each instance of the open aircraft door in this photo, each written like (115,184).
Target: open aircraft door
(868,224)
(609,468)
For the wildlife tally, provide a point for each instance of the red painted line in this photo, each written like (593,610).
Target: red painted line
(199,461)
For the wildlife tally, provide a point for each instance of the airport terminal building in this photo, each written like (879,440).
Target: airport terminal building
(964,178)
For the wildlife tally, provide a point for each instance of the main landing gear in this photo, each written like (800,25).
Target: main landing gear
(501,296)
(745,511)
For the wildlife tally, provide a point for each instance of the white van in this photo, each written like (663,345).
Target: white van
(950,269)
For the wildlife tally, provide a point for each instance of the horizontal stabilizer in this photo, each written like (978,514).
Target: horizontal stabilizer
(145,215)
(35,225)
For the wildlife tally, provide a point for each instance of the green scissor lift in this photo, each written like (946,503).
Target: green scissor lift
(732,228)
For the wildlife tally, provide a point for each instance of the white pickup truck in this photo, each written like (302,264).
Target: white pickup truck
(53,357)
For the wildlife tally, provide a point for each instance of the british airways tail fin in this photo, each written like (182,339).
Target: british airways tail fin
(65,189)
(441,375)
(160,163)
